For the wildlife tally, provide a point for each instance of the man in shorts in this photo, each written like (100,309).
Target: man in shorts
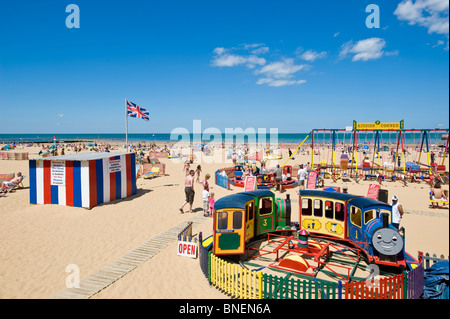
(302,173)
(189,190)
(278,177)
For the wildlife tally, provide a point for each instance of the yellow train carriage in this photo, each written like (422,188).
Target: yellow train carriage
(324,215)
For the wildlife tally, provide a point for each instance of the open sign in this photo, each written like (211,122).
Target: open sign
(187,249)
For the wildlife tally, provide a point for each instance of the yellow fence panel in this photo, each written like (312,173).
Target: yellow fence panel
(234,280)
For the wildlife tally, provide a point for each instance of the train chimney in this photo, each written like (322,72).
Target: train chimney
(385,220)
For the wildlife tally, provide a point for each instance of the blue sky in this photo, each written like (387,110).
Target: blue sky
(291,65)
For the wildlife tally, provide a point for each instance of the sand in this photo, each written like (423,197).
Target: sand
(38,242)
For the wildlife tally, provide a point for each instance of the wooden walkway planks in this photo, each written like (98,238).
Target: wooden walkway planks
(109,274)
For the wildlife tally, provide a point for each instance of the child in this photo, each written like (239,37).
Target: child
(186,168)
(211,204)
(205,196)
(198,171)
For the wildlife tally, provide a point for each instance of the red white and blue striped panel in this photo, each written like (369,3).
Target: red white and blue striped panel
(87,183)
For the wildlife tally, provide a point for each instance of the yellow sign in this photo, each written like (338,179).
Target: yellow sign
(377,125)
(334,228)
(311,224)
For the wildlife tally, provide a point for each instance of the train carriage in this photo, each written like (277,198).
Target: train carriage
(240,217)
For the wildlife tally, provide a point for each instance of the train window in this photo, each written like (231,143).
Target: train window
(369,215)
(237,220)
(265,206)
(355,216)
(306,207)
(329,209)
(222,222)
(250,211)
(318,207)
(339,212)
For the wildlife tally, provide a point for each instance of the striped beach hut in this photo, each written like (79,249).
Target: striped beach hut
(82,180)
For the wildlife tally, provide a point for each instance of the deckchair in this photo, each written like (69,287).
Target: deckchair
(6,190)
(152,173)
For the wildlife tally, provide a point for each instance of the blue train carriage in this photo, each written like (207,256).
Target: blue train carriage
(361,222)
(241,217)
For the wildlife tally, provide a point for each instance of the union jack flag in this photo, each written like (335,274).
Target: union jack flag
(134,110)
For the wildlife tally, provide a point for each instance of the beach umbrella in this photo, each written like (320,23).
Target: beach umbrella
(53,146)
(7,147)
(90,144)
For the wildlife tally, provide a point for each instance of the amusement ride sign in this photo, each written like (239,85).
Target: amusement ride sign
(377,125)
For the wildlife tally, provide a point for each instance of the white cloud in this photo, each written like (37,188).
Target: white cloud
(431,14)
(219,51)
(336,34)
(312,55)
(261,50)
(365,50)
(279,82)
(275,74)
(225,59)
(281,69)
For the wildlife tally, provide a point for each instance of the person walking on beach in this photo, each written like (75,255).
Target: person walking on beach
(189,191)
(278,177)
(205,181)
(302,173)
(197,172)
(186,167)
(397,212)
(211,204)
(205,196)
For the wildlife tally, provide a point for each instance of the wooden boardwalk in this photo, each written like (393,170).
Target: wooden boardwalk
(113,272)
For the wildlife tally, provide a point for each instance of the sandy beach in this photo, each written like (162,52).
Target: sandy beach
(38,242)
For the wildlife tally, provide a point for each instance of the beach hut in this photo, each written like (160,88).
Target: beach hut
(82,180)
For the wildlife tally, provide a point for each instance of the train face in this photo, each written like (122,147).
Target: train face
(363,222)
(240,217)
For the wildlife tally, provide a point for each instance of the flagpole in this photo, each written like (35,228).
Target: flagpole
(126,124)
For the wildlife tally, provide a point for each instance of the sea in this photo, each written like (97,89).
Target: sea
(281,138)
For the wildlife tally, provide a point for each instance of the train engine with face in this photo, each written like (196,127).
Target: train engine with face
(387,245)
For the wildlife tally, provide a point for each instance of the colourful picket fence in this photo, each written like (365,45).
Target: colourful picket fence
(383,288)
(235,280)
(239,282)
(289,288)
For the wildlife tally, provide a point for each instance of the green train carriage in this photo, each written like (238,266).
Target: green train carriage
(241,217)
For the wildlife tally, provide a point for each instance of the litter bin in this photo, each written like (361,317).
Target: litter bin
(383,196)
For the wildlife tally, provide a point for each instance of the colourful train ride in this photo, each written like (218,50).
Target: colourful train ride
(360,222)
(356,221)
